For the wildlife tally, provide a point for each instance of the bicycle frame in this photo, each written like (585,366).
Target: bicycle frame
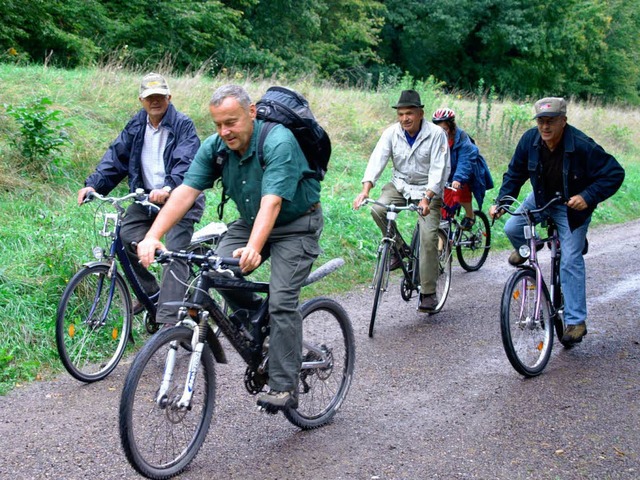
(251,345)
(111,228)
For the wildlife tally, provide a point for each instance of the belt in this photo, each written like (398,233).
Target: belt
(312,208)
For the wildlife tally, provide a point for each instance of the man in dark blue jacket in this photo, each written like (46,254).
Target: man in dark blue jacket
(154,151)
(557,157)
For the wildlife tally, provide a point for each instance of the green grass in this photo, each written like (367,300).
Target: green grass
(45,236)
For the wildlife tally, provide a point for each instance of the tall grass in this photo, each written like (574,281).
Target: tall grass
(45,237)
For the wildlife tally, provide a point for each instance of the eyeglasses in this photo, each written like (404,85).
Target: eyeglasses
(541,121)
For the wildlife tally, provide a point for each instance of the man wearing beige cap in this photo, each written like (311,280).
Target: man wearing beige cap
(558,158)
(154,151)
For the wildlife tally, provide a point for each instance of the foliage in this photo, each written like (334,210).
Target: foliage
(577,48)
(42,131)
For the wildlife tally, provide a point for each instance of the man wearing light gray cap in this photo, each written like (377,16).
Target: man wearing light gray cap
(558,158)
(154,150)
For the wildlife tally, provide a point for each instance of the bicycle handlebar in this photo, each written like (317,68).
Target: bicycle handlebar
(216,261)
(391,206)
(506,206)
(139,196)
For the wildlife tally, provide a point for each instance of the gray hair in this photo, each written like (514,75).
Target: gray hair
(235,91)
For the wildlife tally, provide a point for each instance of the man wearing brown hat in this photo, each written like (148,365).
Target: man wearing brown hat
(420,155)
(558,158)
(154,151)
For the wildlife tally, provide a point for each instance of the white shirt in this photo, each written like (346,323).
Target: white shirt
(416,169)
(152,156)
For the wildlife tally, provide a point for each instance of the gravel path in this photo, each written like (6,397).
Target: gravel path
(432,397)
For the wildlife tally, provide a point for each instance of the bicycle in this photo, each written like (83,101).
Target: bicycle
(472,245)
(410,266)
(169,393)
(529,311)
(94,319)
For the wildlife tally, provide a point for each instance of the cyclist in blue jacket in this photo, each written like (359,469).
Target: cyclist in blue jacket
(558,158)
(154,150)
(469,171)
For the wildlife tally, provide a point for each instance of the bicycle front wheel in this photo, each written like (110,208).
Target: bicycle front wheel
(380,281)
(159,436)
(472,247)
(328,359)
(527,337)
(93,323)
(443,284)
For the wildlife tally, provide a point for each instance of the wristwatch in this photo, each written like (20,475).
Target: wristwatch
(167,188)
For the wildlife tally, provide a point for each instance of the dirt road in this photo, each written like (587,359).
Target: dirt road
(432,397)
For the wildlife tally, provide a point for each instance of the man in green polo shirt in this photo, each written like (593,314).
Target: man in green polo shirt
(280,218)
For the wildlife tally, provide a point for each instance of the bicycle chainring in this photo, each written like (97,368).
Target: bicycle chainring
(255,381)
(150,323)
(406,290)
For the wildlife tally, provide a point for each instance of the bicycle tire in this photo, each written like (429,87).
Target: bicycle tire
(89,345)
(473,246)
(527,341)
(159,441)
(443,284)
(322,390)
(380,282)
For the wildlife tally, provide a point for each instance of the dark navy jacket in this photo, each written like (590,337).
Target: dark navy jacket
(587,170)
(123,158)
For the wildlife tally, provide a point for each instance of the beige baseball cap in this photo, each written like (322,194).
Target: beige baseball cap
(551,107)
(154,84)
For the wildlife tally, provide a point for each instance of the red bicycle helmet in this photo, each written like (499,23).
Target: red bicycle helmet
(442,115)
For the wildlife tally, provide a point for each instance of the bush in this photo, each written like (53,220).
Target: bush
(42,132)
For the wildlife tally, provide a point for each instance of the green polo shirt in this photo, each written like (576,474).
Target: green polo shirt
(286,174)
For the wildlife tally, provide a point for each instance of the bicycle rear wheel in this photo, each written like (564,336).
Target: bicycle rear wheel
(159,437)
(443,285)
(93,323)
(527,338)
(473,246)
(380,281)
(328,359)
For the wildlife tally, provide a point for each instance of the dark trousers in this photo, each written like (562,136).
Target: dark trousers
(135,225)
(292,249)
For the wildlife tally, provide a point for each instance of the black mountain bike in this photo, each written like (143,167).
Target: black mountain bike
(169,393)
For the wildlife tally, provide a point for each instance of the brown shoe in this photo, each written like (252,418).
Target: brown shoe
(516,259)
(573,333)
(428,303)
(395,262)
(138,307)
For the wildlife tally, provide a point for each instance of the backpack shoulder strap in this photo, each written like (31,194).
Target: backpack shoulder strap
(266,128)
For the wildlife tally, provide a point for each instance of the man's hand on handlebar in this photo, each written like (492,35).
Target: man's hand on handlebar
(495,212)
(423,207)
(577,203)
(147,250)
(158,196)
(250,258)
(357,203)
(82,194)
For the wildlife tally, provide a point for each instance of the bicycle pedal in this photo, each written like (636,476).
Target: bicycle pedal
(268,410)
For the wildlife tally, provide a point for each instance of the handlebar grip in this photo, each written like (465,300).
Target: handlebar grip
(230,261)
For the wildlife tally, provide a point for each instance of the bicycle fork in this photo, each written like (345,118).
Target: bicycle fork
(197,346)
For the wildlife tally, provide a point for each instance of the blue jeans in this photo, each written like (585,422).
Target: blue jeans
(572,267)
